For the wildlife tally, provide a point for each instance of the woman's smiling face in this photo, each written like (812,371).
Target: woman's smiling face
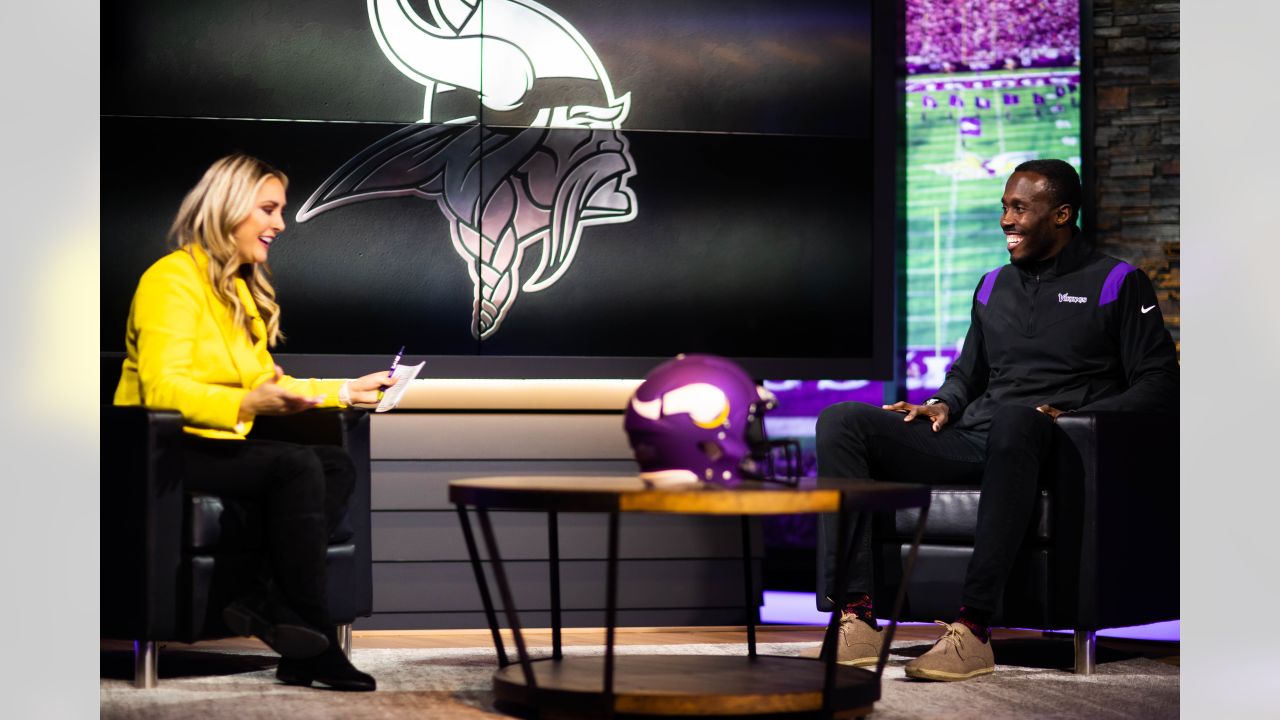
(255,233)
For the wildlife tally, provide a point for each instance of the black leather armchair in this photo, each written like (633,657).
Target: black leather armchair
(1101,550)
(171,559)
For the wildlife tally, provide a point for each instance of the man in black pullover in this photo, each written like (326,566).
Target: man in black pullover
(1062,328)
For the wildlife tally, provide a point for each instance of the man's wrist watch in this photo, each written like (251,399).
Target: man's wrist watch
(933,401)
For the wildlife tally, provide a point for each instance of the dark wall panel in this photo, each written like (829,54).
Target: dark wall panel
(674,570)
(363,281)
(424,484)
(714,195)
(737,251)
(451,586)
(437,535)
(760,66)
(257,59)
(647,617)
(744,246)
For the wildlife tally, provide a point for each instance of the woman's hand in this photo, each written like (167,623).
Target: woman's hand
(271,399)
(368,389)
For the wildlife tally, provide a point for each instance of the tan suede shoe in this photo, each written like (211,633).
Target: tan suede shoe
(858,643)
(958,655)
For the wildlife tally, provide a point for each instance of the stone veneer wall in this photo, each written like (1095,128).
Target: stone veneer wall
(1137,144)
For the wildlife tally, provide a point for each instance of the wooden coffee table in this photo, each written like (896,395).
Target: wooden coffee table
(677,684)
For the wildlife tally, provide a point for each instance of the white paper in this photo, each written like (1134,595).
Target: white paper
(402,375)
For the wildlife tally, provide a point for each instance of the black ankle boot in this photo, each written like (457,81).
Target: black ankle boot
(266,617)
(331,668)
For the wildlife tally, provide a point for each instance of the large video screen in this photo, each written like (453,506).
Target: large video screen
(567,188)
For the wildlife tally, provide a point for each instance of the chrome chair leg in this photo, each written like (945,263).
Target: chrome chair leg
(1086,642)
(344,639)
(145,661)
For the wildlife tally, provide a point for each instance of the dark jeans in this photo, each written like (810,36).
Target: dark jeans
(856,440)
(303,491)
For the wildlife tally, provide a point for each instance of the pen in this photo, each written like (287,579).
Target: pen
(396,362)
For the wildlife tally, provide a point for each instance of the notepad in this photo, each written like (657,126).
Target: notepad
(402,375)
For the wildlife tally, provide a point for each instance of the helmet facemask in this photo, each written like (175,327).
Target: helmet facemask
(769,460)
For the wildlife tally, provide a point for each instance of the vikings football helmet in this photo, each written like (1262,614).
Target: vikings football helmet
(698,418)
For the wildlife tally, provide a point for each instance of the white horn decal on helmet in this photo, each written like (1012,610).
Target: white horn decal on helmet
(706,404)
(651,409)
(520,42)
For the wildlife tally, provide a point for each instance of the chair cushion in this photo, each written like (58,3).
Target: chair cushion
(934,591)
(953,516)
(230,525)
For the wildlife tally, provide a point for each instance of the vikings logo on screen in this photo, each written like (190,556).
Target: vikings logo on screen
(532,187)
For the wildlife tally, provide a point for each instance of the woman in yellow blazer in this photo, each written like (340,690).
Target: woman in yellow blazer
(197,340)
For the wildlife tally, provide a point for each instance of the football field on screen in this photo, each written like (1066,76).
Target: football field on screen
(958,158)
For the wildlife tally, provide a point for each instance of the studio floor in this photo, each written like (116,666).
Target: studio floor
(448,674)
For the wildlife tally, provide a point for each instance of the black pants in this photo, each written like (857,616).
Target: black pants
(856,440)
(303,491)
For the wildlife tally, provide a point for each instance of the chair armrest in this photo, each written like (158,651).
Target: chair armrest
(141,516)
(326,426)
(1125,507)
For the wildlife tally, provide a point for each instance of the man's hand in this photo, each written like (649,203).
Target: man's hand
(939,413)
(271,399)
(1050,410)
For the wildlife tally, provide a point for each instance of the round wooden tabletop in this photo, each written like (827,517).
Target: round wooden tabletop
(631,494)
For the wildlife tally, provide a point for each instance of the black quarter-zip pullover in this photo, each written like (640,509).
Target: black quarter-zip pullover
(1080,331)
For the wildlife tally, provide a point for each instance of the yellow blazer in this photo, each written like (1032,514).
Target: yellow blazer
(184,352)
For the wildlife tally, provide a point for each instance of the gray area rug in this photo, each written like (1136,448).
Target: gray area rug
(1033,680)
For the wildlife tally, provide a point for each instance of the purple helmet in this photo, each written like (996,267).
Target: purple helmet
(697,418)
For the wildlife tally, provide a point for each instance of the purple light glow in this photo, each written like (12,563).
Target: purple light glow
(1170,631)
(791,608)
(797,608)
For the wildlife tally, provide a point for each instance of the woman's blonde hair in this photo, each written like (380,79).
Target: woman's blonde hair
(209,213)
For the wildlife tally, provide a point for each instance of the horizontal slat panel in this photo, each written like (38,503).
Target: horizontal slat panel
(451,586)
(437,535)
(424,484)
(498,436)
(674,617)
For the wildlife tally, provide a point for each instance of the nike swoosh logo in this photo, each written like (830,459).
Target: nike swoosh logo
(1146,310)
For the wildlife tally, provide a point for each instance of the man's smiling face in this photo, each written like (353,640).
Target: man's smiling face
(1031,222)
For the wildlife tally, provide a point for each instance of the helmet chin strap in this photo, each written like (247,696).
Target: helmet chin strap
(750,469)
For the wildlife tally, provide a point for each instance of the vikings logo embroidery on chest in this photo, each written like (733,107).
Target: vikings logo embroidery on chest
(1069,298)
(503,190)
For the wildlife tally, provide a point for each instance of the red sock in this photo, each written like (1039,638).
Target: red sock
(978,622)
(860,607)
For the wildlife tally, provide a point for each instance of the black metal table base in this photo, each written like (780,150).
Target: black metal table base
(678,685)
(682,685)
